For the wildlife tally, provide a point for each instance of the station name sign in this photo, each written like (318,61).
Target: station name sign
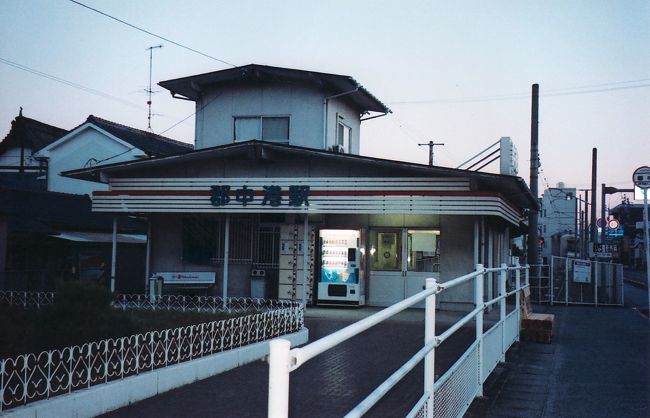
(272,196)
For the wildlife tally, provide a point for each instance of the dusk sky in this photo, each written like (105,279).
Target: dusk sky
(454,72)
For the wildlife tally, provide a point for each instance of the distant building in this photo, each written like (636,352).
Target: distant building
(558,222)
(18,166)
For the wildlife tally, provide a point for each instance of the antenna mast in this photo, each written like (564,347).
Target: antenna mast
(149,91)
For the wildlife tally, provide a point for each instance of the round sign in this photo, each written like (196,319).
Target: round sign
(613,224)
(641,177)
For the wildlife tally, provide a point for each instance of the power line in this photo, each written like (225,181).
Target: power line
(190,115)
(595,88)
(151,33)
(68,83)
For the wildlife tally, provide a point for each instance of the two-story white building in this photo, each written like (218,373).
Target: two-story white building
(276,193)
(558,222)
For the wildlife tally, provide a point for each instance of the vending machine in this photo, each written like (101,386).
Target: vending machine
(341,273)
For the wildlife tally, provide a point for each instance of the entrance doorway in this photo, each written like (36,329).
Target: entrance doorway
(400,261)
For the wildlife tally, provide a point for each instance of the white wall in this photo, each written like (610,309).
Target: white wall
(75,152)
(337,110)
(557,215)
(303,104)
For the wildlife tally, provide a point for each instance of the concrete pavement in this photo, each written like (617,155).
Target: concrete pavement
(597,366)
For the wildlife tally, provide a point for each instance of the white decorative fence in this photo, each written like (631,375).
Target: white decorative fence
(452,393)
(31,377)
(26,299)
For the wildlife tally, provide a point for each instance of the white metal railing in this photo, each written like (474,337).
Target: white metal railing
(452,394)
(26,299)
(31,377)
(177,303)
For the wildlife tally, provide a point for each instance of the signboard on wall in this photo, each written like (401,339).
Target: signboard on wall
(581,271)
(187,277)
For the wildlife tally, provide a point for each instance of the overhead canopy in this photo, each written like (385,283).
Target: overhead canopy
(101,237)
(192,87)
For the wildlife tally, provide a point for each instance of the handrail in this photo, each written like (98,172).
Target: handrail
(282,360)
(303,354)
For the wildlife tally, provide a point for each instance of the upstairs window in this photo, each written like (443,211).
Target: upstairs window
(267,128)
(343,137)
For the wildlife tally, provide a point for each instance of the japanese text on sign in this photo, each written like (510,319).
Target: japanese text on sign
(271,196)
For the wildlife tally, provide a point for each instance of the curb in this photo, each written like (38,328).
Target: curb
(635,283)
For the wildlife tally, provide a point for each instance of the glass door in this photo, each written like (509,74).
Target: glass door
(400,261)
(386,284)
(422,259)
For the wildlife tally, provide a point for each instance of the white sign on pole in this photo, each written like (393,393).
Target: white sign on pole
(581,271)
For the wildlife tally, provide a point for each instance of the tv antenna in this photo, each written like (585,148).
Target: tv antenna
(149,91)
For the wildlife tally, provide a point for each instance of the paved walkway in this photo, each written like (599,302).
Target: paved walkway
(597,366)
(328,385)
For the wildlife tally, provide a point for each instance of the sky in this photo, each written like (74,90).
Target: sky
(458,73)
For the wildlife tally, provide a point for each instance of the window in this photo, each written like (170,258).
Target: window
(343,136)
(423,250)
(386,250)
(267,128)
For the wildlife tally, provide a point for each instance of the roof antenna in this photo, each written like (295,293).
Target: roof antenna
(149,91)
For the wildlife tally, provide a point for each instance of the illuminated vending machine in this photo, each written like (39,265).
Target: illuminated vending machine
(341,272)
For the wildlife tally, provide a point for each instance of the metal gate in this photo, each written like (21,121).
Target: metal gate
(572,281)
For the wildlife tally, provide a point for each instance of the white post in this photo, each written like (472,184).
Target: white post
(226,256)
(147,262)
(305,259)
(518,295)
(478,302)
(551,274)
(476,247)
(490,264)
(566,281)
(646,239)
(113,254)
(429,336)
(503,275)
(279,378)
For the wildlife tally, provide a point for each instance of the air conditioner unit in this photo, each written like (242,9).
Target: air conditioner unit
(337,149)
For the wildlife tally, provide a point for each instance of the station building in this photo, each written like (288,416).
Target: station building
(275,200)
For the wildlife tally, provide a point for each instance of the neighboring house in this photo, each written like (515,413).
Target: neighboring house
(99,141)
(46,237)
(263,191)
(558,222)
(288,106)
(18,167)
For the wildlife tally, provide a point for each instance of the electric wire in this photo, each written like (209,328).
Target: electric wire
(567,91)
(151,33)
(68,83)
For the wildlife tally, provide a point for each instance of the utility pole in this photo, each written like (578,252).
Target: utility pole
(149,91)
(431,144)
(533,235)
(594,228)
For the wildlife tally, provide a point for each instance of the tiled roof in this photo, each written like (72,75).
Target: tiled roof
(32,133)
(152,144)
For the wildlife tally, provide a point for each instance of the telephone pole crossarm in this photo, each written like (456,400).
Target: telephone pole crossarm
(431,144)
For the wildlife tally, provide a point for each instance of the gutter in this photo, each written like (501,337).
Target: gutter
(325,101)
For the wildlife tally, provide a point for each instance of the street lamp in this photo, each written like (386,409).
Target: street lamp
(608,190)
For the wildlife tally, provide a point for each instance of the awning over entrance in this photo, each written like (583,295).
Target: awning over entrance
(101,237)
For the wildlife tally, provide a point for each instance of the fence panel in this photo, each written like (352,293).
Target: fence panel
(586,282)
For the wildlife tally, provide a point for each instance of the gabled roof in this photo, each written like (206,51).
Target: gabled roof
(31,133)
(153,145)
(192,87)
(512,187)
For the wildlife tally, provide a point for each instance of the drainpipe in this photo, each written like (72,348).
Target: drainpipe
(325,102)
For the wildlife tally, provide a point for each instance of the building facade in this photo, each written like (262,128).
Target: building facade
(292,216)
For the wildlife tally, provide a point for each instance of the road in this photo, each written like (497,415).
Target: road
(636,295)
